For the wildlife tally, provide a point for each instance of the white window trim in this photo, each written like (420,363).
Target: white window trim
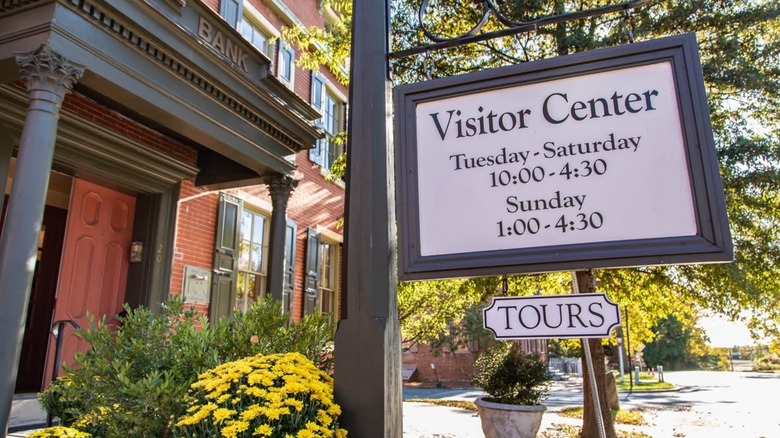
(336,278)
(263,273)
(330,235)
(285,46)
(331,87)
(252,202)
(328,87)
(261,21)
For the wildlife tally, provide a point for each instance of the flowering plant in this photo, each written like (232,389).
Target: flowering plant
(278,396)
(59,432)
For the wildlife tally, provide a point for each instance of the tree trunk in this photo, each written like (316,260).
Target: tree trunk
(590,427)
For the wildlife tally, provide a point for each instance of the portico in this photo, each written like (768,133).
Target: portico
(152,104)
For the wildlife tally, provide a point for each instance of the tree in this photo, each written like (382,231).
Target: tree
(739,44)
(675,345)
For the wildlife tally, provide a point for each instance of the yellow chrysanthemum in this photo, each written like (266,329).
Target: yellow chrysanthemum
(59,432)
(222,414)
(234,428)
(273,395)
(263,430)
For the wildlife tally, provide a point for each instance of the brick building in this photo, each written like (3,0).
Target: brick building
(186,153)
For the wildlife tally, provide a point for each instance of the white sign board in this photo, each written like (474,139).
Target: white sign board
(552,316)
(600,159)
(576,160)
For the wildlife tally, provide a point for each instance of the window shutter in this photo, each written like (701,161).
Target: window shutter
(311,285)
(289,266)
(232,11)
(317,99)
(317,90)
(223,286)
(315,153)
(286,64)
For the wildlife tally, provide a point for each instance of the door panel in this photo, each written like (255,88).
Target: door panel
(93,274)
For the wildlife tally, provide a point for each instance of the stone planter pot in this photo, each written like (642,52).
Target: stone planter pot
(504,421)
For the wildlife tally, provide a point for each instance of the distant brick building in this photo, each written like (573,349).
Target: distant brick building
(189,156)
(424,364)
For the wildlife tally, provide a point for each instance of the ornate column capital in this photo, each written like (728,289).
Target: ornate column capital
(281,187)
(45,70)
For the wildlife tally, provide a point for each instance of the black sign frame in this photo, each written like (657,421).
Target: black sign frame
(712,243)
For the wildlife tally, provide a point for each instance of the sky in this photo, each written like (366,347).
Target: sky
(724,333)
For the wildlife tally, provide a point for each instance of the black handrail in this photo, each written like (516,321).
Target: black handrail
(58,335)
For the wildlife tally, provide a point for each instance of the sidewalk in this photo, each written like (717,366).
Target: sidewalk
(426,420)
(26,415)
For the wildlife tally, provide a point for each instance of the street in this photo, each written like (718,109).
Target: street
(709,404)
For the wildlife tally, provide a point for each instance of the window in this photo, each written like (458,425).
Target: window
(332,107)
(231,11)
(329,281)
(255,35)
(252,263)
(321,283)
(285,68)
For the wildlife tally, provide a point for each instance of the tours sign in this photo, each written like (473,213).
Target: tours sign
(599,159)
(552,316)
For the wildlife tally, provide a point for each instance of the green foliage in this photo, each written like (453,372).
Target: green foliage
(565,347)
(739,44)
(329,46)
(277,395)
(510,376)
(264,329)
(673,346)
(132,381)
(447,313)
(767,362)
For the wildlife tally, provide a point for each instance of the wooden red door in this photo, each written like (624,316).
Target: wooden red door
(93,274)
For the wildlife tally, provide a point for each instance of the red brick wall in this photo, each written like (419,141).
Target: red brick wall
(450,367)
(212,4)
(459,366)
(195,230)
(125,127)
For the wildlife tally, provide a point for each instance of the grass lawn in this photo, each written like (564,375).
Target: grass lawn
(644,385)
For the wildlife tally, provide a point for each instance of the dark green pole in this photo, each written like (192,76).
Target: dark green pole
(368,345)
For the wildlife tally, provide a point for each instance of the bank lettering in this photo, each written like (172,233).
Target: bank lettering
(222,43)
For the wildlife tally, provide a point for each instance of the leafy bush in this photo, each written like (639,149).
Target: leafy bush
(277,395)
(59,432)
(511,377)
(768,362)
(133,380)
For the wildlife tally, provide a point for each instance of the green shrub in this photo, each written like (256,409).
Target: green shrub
(276,395)
(768,362)
(263,329)
(509,376)
(133,380)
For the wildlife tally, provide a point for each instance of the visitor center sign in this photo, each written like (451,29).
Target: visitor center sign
(598,159)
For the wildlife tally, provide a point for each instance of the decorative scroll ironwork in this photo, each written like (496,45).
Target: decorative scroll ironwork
(512,27)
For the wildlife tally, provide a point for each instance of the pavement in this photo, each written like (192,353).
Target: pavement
(426,420)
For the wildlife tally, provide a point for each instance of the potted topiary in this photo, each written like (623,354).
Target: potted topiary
(516,383)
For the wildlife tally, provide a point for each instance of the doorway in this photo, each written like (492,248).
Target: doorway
(39,310)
